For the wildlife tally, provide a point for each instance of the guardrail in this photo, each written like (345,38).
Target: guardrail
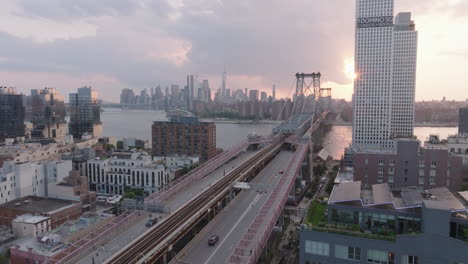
(156,241)
(243,251)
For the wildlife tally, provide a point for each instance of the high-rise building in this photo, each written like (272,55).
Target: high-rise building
(405,44)
(263,96)
(48,114)
(12,113)
(385,63)
(463,121)
(85,113)
(175,92)
(127,97)
(223,85)
(184,136)
(190,90)
(273,93)
(253,95)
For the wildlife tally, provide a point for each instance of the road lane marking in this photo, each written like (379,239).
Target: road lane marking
(255,200)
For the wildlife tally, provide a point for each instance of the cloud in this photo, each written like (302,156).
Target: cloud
(71,10)
(143,43)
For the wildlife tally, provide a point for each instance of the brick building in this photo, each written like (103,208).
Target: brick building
(184,136)
(58,210)
(409,164)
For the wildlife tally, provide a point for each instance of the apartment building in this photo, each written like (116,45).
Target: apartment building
(381,225)
(124,171)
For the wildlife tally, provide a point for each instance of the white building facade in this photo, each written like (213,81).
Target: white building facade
(30,178)
(126,171)
(31,225)
(385,64)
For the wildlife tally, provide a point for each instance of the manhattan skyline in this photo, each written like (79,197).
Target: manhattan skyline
(141,44)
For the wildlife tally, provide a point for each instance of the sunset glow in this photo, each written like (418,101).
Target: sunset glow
(349,69)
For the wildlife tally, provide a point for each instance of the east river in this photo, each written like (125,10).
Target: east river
(137,123)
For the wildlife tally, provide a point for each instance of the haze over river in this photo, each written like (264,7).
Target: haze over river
(137,123)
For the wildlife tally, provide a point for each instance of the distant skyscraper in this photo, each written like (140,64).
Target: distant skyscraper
(190,90)
(463,121)
(253,95)
(385,61)
(175,92)
(263,96)
(273,93)
(85,113)
(224,84)
(127,97)
(12,113)
(48,114)
(206,92)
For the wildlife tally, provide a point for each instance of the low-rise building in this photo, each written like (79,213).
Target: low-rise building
(31,225)
(58,210)
(26,152)
(74,188)
(409,164)
(20,179)
(458,146)
(43,247)
(125,171)
(381,225)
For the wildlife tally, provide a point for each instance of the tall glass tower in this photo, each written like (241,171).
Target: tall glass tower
(385,62)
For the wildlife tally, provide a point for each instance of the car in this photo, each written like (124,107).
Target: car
(151,222)
(281,171)
(213,240)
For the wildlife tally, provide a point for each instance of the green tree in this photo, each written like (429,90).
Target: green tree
(464,187)
(119,144)
(3,259)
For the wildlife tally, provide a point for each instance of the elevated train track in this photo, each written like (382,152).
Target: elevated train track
(152,245)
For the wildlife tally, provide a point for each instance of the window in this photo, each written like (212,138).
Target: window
(381,257)
(344,252)
(317,248)
(432,173)
(409,259)
(421,180)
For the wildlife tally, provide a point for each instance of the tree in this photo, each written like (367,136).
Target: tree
(3,259)
(464,187)
(120,144)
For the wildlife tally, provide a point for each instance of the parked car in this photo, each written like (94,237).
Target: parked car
(151,222)
(213,240)
(281,171)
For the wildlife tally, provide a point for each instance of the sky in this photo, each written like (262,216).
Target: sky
(115,44)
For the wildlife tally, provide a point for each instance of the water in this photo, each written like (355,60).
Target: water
(341,136)
(137,123)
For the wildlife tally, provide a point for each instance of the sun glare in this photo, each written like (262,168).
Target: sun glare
(349,69)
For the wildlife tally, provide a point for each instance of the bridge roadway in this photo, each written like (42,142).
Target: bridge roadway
(158,240)
(173,203)
(232,222)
